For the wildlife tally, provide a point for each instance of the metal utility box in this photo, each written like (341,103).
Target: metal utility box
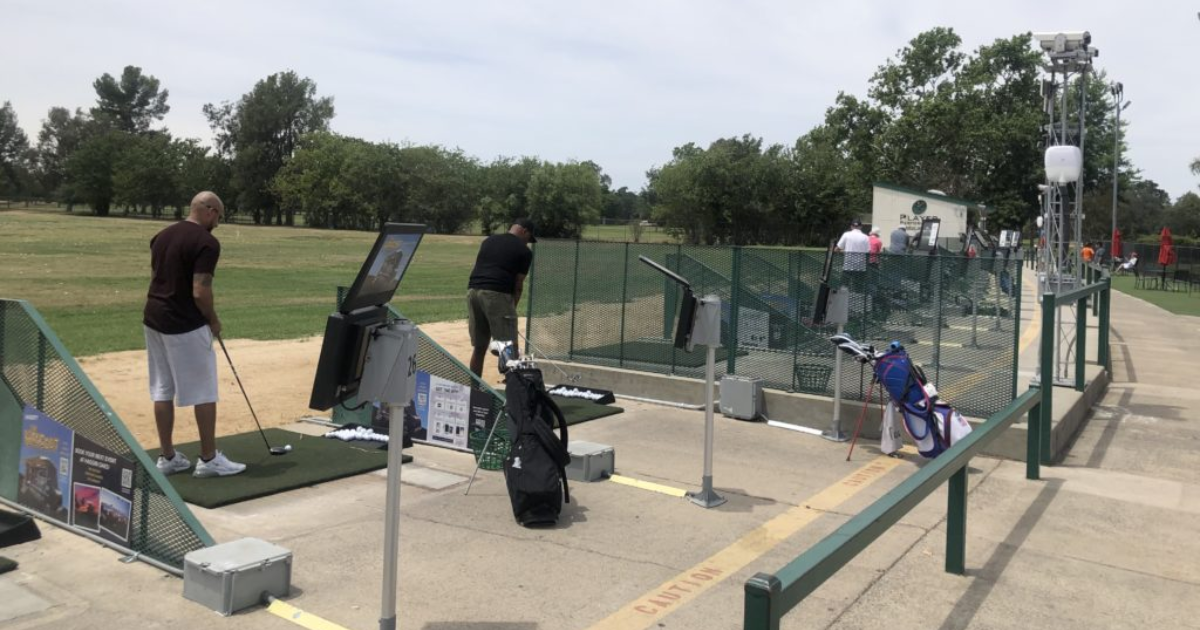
(590,461)
(235,575)
(741,397)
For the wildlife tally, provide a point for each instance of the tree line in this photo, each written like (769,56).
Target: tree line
(968,124)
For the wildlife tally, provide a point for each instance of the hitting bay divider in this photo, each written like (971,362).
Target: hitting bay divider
(768,597)
(49,409)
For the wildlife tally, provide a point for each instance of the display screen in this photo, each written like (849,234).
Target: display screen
(383,269)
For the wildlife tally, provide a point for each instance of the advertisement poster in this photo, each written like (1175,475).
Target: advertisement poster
(444,409)
(44,477)
(102,490)
(753,328)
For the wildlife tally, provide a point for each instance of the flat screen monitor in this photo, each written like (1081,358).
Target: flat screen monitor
(363,309)
(384,267)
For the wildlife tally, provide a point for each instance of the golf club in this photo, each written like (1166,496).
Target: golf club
(274,450)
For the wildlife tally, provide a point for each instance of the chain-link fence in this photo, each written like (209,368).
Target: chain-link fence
(435,360)
(595,303)
(37,370)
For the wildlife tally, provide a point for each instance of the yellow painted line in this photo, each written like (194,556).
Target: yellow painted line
(646,485)
(299,617)
(652,606)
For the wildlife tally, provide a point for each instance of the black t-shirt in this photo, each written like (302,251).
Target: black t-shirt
(502,257)
(177,254)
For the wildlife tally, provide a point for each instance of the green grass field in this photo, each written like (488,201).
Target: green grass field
(88,276)
(1178,302)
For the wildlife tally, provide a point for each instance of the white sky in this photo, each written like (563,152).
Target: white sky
(617,82)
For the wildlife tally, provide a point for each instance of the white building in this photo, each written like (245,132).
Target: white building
(892,206)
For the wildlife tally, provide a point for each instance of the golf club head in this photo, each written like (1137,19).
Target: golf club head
(281,450)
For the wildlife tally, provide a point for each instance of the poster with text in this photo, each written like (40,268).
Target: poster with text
(102,483)
(44,470)
(444,408)
(753,328)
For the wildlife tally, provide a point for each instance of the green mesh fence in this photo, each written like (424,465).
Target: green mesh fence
(37,370)
(434,359)
(595,303)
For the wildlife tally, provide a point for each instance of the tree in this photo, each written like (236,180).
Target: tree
(61,134)
(503,188)
(131,104)
(441,187)
(563,198)
(147,173)
(90,169)
(14,147)
(261,132)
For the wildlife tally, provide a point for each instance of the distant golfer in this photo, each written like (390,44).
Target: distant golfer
(495,288)
(179,322)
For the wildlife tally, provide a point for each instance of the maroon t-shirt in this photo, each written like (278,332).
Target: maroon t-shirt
(177,254)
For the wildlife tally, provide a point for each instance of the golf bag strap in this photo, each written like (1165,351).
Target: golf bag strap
(556,446)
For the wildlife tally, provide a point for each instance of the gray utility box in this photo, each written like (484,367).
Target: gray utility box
(590,461)
(741,397)
(235,575)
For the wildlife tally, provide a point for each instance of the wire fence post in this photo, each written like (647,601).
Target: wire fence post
(624,293)
(1049,309)
(735,290)
(574,305)
(1016,289)
(1033,444)
(1080,343)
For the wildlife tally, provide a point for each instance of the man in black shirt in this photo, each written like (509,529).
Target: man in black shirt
(495,288)
(179,322)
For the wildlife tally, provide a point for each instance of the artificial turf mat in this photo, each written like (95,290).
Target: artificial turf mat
(653,352)
(313,460)
(577,410)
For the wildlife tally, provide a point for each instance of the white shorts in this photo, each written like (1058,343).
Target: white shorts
(183,367)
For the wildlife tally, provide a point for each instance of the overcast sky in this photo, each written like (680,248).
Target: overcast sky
(617,82)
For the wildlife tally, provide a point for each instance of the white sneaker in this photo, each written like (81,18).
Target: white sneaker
(218,466)
(179,463)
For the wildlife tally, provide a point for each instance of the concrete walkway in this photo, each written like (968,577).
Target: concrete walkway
(1107,539)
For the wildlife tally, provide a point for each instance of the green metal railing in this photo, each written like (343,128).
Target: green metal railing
(36,369)
(768,597)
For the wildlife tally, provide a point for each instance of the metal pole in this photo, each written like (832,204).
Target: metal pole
(391,529)
(1078,236)
(835,429)
(1118,94)
(707,497)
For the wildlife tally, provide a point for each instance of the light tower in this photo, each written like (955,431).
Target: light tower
(1070,55)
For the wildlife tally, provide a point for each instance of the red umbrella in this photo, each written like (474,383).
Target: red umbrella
(1116,248)
(1166,249)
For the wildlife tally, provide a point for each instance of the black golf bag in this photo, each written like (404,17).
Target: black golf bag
(535,469)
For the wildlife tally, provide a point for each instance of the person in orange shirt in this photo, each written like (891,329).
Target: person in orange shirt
(1088,252)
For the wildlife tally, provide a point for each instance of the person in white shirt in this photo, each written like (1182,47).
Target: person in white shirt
(856,245)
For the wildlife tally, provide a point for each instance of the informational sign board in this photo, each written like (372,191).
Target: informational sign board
(74,480)
(448,411)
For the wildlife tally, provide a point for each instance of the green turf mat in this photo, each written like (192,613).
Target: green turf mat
(653,352)
(313,460)
(577,410)
(7,565)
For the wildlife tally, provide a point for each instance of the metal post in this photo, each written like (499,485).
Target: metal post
(624,290)
(937,318)
(1033,444)
(835,432)
(1049,332)
(762,599)
(1080,344)
(391,529)
(956,523)
(1017,289)
(1105,323)
(1118,92)
(707,497)
(734,305)
(574,305)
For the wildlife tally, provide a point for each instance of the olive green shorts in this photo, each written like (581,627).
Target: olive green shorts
(490,315)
